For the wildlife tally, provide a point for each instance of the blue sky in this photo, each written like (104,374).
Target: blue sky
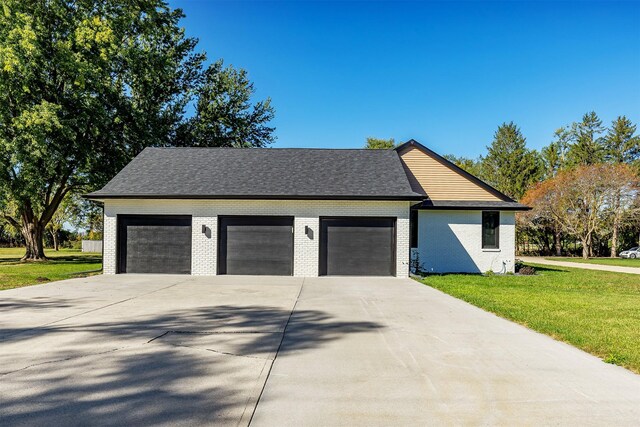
(444,73)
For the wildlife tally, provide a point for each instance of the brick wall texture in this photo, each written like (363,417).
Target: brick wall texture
(305,212)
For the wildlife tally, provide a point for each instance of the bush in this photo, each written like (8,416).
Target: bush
(518,264)
(527,271)
(73,244)
(415,265)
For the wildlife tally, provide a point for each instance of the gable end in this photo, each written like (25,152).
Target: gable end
(439,179)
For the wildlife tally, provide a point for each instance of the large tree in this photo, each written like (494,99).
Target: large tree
(509,165)
(85,85)
(622,205)
(581,202)
(588,145)
(554,155)
(621,144)
(622,147)
(542,220)
(224,113)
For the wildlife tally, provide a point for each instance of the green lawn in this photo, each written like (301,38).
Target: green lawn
(596,311)
(65,264)
(623,262)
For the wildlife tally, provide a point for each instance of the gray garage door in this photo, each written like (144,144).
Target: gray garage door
(154,244)
(260,245)
(357,246)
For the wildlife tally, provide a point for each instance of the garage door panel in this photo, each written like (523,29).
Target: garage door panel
(155,244)
(358,246)
(259,267)
(256,245)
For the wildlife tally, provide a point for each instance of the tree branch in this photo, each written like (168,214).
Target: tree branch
(51,208)
(11,221)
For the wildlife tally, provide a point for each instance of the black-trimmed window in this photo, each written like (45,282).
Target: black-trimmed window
(490,230)
(413,228)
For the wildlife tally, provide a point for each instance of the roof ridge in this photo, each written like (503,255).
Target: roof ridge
(273,148)
(323,173)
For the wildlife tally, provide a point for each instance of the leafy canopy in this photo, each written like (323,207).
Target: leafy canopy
(621,144)
(472,166)
(380,144)
(85,85)
(588,144)
(224,114)
(509,165)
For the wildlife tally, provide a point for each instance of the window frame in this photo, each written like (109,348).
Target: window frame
(414,218)
(496,244)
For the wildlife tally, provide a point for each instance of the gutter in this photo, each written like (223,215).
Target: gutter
(98,197)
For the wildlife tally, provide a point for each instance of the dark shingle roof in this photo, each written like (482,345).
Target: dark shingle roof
(269,173)
(472,205)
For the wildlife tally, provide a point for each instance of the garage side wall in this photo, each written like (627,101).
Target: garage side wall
(451,242)
(204,254)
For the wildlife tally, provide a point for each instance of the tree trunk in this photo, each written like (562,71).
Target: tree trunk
(557,242)
(585,248)
(614,240)
(589,241)
(54,237)
(616,224)
(32,232)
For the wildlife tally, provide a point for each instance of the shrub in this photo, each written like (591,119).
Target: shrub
(518,264)
(415,265)
(527,271)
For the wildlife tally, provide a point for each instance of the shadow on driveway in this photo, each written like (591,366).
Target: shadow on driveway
(194,366)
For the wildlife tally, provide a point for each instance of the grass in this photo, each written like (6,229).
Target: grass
(64,264)
(622,262)
(596,311)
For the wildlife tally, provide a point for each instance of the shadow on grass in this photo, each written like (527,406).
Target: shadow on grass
(66,259)
(452,274)
(540,268)
(150,379)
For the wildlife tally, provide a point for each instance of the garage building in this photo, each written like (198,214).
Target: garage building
(301,212)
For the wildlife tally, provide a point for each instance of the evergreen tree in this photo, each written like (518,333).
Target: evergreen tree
(554,156)
(509,165)
(588,145)
(622,146)
(621,143)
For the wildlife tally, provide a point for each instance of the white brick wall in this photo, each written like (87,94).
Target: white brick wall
(451,241)
(306,213)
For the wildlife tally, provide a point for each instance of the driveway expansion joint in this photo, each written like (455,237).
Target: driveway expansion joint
(159,336)
(226,353)
(222,332)
(210,350)
(275,356)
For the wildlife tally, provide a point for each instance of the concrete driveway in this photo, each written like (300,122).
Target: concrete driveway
(170,350)
(585,266)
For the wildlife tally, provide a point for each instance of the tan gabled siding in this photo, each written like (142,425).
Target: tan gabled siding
(438,181)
